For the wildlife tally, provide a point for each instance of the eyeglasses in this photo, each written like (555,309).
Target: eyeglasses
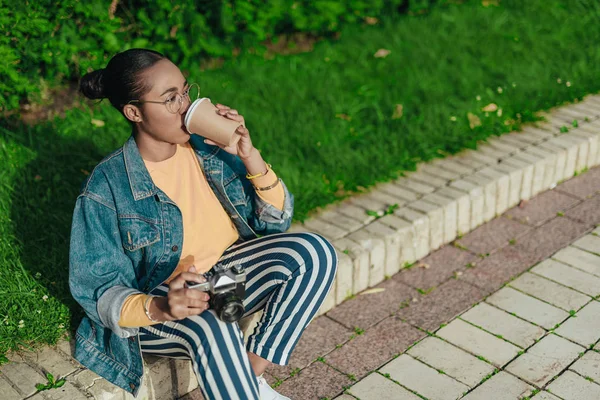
(175,101)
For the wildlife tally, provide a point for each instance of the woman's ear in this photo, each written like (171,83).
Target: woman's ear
(132,113)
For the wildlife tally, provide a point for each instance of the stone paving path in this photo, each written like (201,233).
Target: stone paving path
(508,311)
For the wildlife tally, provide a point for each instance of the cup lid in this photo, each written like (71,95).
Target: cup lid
(190,111)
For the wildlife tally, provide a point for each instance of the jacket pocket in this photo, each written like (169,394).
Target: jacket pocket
(235,191)
(137,232)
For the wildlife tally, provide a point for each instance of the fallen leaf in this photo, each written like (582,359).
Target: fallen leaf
(371,20)
(382,53)
(490,108)
(374,290)
(522,203)
(85,172)
(423,265)
(458,273)
(97,122)
(398,111)
(343,116)
(487,3)
(474,120)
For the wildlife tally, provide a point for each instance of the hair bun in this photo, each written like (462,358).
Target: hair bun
(92,85)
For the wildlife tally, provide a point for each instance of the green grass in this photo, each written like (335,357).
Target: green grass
(324,120)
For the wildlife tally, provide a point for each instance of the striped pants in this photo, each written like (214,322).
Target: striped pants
(289,276)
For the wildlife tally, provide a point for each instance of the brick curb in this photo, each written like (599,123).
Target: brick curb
(439,202)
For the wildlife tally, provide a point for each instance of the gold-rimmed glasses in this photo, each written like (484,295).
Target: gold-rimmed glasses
(175,101)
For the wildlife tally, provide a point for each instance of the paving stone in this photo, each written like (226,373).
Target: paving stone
(196,394)
(22,376)
(374,348)
(455,362)
(476,158)
(476,200)
(502,181)
(589,243)
(360,259)
(490,189)
(376,249)
(550,164)
(463,202)
(545,240)
(65,392)
(329,301)
(428,179)
(550,292)
(450,164)
(51,361)
(543,395)
(569,277)
(542,208)
(417,187)
(584,328)
(355,212)
(315,382)
(527,307)
(596,231)
(420,223)
(436,268)
(84,378)
(348,397)
(493,271)
(588,365)
(365,310)
(319,338)
(587,212)
(325,228)
(577,149)
(498,322)
(344,277)
(423,379)
(450,217)
(8,393)
(525,164)
(341,220)
(441,305)
(515,177)
(493,235)
(433,170)
(478,342)
(367,203)
(570,386)
(539,169)
(501,386)
(376,387)
(592,141)
(544,360)
(406,237)
(579,259)
(561,159)
(435,214)
(393,242)
(387,199)
(395,189)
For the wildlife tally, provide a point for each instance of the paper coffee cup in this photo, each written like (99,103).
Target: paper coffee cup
(202,119)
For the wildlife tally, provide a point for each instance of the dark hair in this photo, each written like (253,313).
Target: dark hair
(120,81)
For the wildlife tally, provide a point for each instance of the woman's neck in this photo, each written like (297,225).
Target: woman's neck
(152,149)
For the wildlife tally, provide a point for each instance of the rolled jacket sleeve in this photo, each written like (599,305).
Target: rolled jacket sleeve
(101,276)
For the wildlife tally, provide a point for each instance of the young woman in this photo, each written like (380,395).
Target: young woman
(162,211)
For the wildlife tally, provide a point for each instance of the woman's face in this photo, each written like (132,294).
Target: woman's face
(166,81)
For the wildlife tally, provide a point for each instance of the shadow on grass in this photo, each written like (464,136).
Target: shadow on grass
(42,199)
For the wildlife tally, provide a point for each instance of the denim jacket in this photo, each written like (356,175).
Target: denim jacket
(126,238)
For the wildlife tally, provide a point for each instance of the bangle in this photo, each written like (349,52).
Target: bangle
(146,310)
(248,176)
(270,186)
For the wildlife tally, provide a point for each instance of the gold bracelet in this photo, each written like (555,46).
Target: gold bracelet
(146,310)
(248,176)
(268,187)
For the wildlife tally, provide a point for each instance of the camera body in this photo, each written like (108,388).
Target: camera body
(227,289)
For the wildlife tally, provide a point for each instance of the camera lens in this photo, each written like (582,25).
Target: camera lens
(228,307)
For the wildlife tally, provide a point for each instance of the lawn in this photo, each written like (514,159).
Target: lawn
(331,122)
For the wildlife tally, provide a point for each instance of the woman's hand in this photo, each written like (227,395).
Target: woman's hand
(244,147)
(180,302)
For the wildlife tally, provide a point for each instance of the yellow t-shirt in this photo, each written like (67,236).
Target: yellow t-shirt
(207,229)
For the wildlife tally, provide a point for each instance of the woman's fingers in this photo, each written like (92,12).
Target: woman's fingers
(242,130)
(222,107)
(182,278)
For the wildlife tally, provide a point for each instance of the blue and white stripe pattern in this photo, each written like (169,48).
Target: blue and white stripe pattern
(287,274)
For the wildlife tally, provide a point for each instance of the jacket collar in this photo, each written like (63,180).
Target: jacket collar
(139,178)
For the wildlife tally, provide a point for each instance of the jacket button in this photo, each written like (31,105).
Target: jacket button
(175,248)
(132,385)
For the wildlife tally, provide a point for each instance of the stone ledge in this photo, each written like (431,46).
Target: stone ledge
(437,203)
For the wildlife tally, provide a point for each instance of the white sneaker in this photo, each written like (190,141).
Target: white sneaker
(267,392)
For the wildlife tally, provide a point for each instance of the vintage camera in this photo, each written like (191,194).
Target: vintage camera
(227,289)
